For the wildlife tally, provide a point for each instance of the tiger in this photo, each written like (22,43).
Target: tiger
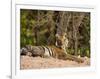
(48,51)
(56,51)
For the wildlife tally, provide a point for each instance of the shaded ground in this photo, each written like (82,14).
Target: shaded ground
(38,62)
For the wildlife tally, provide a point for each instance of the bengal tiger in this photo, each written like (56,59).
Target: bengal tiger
(48,51)
(56,51)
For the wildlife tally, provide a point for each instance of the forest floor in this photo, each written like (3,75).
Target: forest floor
(41,63)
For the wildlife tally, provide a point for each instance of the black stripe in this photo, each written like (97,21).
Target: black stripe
(43,48)
(52,51)
(48,50)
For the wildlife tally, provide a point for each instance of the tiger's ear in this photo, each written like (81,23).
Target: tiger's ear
(64,35)
(57,35)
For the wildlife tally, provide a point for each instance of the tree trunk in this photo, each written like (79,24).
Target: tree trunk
(64,19)
(77,20)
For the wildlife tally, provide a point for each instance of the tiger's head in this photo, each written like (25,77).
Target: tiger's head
(61,41)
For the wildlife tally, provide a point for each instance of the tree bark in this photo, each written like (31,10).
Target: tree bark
(77,20)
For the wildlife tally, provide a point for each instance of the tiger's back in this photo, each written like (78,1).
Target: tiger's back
(51,51)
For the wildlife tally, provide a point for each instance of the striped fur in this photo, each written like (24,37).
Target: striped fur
(48,51)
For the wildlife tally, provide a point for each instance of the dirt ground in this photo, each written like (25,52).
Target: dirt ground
(41,63)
